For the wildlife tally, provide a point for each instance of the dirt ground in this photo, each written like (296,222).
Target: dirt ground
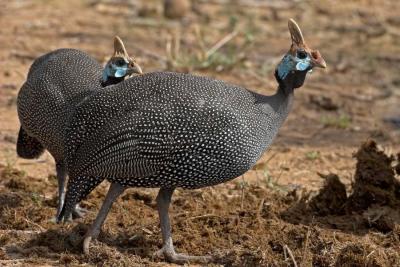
(321,196)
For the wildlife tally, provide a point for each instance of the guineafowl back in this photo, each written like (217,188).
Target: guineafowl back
(55,81)
(169,130)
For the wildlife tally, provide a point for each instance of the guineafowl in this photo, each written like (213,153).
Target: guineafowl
(56,82)
(172,130)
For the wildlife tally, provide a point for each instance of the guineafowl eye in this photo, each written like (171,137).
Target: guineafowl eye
(301,54)
(120,62)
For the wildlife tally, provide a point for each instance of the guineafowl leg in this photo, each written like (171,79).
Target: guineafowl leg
(113,192)
(78,188)
(168,251)
(61,171)
(61,177)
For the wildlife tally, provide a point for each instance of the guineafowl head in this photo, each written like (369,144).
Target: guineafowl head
(120,64)
(298,61)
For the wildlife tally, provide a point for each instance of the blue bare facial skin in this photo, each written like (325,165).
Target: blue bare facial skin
(303,60)
(300,62)
(118,69)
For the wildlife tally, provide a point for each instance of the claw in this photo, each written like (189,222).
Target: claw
(79,212)
(86,244)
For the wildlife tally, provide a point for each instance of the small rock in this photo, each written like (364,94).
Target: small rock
(10,138)
(8,86)
(176,9)
(394,120)
(324,102)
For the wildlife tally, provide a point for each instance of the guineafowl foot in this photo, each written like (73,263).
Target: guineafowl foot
(168,251)
(170,255)
(79,212)
(86,244)
(113,192)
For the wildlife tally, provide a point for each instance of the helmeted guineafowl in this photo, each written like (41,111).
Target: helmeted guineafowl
(172,130)
(56,82)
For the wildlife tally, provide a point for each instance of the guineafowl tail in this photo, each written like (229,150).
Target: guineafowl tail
(28,147)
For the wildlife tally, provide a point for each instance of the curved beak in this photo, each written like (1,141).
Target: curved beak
(317,60)
(134,68)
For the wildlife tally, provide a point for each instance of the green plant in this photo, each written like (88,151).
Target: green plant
(36,198)
(343,121)
(273,182)
(312,155)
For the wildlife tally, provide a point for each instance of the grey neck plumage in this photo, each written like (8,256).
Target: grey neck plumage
(278,104)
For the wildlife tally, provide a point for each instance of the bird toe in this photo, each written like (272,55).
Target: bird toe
(79,212)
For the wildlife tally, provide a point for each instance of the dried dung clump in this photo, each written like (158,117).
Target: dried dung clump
(331,198)
(374,180)
(375,197)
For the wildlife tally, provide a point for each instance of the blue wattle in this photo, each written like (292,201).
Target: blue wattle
(111,70)
(120,72)
(302,65)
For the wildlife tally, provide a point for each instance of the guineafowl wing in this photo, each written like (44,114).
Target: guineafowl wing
(130,146)
(28,147)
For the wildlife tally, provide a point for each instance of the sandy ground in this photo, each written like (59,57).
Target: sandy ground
(255,220)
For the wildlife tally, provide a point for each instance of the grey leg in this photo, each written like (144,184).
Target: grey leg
(61,177)
(61,171)
(168,251)
(113,192)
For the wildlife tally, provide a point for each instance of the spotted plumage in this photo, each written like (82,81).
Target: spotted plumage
(172,130)
(169,129)
(28,147)
(51,87)
(56,82)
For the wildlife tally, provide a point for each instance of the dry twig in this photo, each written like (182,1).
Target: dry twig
(260,208)
(204,216)
(34,224)
(22,232)
(258,4)
(286,248)
(221,43)
(306,245)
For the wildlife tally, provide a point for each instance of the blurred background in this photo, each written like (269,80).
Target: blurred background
(240,41)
